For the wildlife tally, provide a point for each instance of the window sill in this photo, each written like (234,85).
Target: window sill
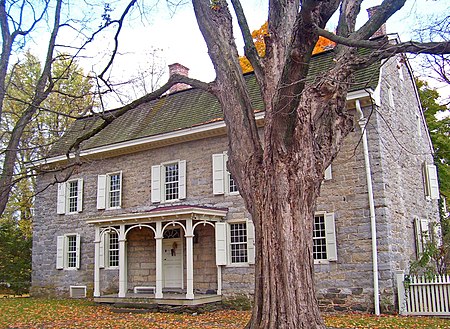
(113,208)
(112,268)
(238,265)
(323,262)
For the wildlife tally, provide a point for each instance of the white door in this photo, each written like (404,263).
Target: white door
(173,263)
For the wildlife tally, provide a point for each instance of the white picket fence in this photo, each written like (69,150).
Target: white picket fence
(424,296)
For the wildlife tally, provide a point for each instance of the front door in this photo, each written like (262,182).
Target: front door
(173,263)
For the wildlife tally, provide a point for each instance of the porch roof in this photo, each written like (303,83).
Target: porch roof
(164,212)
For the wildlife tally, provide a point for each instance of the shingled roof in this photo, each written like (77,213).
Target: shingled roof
(184,109)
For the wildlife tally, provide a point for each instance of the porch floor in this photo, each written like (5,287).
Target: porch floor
(168,299)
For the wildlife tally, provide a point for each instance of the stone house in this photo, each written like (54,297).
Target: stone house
(153,213)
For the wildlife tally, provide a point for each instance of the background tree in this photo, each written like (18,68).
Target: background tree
(69,98)
(20,21)
(438,121)
(258,39)
(15,258)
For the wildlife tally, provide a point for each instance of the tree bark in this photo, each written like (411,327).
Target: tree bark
(283,216)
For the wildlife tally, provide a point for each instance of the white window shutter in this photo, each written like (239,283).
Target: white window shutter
(328,173)
(432,181)
(101,192)
(80,195)
(78,240)
(218,173)
(60,252)
(61,200)
(121,189)
(156,183)
(418,234)
(250,242)
(221,243)
(182,179)
(101,254)
(330,234)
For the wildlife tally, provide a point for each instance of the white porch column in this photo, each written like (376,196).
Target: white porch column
(96,264)
(122,262)
(189,260)
(159,278)
(219,280)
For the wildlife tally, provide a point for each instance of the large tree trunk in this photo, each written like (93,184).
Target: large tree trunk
(284,287)
(279,177)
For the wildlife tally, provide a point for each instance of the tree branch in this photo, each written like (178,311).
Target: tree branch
(249,46)
(383,45)
(381,15)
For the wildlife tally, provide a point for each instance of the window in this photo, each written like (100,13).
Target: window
(238,243)
(324,238)
(223,182)
(419,125)
(421,230)
(235,243)
(400,61)
(169,181)
(232,184)
(328,175)
(431,183)
(319,239)
(68,251)
(109,191)
(70,197)
(113,249)
(390,96)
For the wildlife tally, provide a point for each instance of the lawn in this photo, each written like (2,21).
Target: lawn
(41,313)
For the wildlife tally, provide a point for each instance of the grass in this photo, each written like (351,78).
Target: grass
(45,313)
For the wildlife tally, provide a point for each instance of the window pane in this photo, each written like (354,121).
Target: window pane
(171,181)
(72,251)
(238,243)
(114,190)
(319,240)
(232,184)
(73,196)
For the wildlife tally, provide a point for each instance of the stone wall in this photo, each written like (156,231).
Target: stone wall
(396,155)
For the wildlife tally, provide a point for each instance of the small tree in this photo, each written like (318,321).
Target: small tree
(15,257)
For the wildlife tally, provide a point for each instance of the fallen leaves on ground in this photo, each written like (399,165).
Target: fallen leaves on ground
(46,313)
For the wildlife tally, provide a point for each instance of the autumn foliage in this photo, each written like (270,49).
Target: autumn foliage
(258,38)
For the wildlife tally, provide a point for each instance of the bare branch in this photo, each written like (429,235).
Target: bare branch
(250,50)
(384,46)
(381,15)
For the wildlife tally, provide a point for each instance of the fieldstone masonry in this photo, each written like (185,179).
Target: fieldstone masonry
(397,151)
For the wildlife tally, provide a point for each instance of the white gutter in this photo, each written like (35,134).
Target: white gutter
(362,123)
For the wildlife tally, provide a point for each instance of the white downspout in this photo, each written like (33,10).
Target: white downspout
(362,123)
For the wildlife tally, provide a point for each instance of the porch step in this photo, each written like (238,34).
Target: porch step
(140,308)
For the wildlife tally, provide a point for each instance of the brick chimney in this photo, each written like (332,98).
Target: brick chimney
(177,68)
(382,30)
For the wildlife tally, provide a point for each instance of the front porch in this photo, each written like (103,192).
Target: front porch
(168,253)
(168,299)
